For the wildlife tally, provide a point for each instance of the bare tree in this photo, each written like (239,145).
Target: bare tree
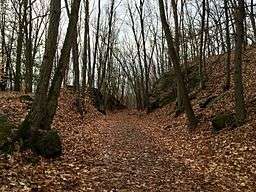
(228,42)
(176,63)
(239,15)
(35,119)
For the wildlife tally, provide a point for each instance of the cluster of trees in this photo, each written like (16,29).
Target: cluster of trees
(119,47)
(239,15)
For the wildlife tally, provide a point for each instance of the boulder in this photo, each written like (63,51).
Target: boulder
(24,133)
(46,143)
(221,121)
(113,103)
(163,92)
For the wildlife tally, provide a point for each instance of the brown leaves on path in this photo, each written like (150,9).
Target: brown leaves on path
(129,151)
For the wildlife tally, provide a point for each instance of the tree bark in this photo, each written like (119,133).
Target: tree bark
(86,53)
(177,46)
(96,44)
(239,14)
(228,42)
(36,115)
(176,64)
(75,57)
(22,16)
(54,92)
(28,51)
(201,62)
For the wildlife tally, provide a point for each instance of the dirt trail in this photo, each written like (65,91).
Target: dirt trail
(133,160)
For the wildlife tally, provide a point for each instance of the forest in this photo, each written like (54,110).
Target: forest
(127,95)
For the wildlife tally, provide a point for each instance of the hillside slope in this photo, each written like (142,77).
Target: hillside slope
(227,159)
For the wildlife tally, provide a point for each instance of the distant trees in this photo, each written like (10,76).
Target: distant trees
(123,56)
(140,9)
(96,45)
(140,81)
(252,18)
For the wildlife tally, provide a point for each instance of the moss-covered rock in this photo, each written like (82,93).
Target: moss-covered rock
(193,79)
(6,130)
(223,120)
(3,119)
(47,144)
(3,83)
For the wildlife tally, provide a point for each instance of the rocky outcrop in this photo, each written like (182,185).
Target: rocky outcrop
(112,103)
(164,89)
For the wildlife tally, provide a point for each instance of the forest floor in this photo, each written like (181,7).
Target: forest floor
(134,151)
(131,151)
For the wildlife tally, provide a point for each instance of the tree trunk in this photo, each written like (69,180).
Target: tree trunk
(176,64)
(86,53)
(36,115)
(96,44)
(22,15)
(28,51)
(239,14)
(228,42)
(75,57)
(201,62)
(177,46)
(54,92)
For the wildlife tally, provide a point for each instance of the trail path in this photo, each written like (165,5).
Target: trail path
(130,152)
(133,160)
